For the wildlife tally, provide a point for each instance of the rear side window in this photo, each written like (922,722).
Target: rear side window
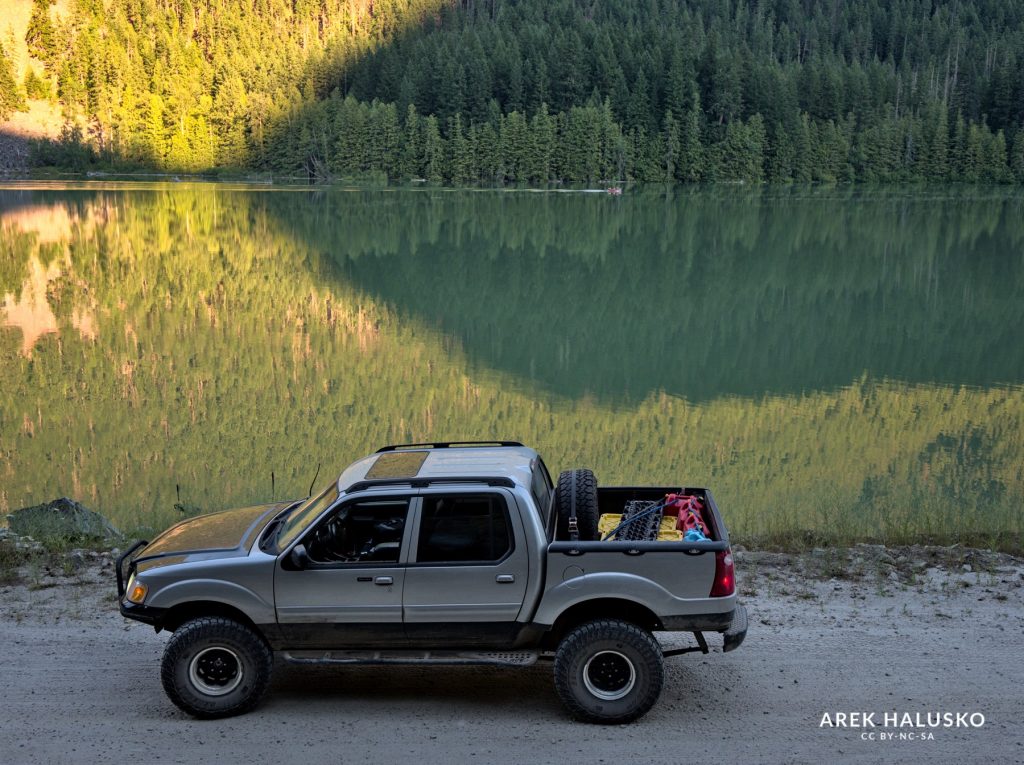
(464,528)
(540,487)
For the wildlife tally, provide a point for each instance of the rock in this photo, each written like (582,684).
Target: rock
(63,518)
(27,544)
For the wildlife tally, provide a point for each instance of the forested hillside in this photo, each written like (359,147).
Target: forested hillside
(544,90)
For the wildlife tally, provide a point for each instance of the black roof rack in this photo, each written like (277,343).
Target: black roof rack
(446,445)
(420,483)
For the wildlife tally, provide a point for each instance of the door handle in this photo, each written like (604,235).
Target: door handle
(384,580)
(505,578)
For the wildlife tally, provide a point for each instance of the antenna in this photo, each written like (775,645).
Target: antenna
(272,490)
(315,476)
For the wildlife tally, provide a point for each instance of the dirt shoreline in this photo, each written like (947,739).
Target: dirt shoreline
(870,629)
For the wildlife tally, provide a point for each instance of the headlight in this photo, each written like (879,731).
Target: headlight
(136,591)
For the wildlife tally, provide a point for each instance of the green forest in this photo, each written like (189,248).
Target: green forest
(536,91)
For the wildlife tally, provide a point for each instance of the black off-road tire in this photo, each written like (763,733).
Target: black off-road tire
(586,503)
(614,658)
(216,667)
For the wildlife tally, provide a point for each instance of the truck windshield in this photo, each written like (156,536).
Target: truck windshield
(304,514)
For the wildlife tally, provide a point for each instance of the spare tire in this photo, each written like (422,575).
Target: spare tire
(585,496)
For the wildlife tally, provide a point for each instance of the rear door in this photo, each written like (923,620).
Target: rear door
(350,594)
(466,576)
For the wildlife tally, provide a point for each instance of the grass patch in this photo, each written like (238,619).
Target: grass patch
(799,540)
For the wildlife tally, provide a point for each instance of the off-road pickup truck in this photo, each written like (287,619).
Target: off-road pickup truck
(444,553)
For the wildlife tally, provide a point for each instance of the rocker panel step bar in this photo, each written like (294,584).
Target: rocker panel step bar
(502,658)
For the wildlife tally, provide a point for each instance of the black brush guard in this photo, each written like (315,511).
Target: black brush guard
(123,576)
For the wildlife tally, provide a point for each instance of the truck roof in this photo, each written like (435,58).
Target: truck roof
(416,463)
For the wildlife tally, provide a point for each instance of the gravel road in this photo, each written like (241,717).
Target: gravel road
(874,631)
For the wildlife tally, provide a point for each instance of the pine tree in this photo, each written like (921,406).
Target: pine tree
(542,146)
(639,110)
(995,158)
(11,99)
(514,146)
(803,169)
(958,158)
(154,138)
(39,36)
(780,155)
(1017,156)
(678,85)
(486,152)
(460,153)
(412,161)
(691,166)
(36,87)
(612,146)
(670,144)
(938,156)
(756,140)
(974,154)
(433,150)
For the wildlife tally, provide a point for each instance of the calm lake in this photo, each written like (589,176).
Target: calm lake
(844,361)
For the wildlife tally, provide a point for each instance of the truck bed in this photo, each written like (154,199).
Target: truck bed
(672,579)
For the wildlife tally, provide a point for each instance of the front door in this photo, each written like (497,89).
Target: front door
(466,580)
(350,594)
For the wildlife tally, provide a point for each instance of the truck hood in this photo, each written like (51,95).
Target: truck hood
(227,533)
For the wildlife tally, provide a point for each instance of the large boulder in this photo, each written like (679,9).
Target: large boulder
(62,518)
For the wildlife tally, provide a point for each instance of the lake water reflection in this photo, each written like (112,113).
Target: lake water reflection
(845,361)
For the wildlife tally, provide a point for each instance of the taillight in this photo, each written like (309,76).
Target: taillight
(725,575)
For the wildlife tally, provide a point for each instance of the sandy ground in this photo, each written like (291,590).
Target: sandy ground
(911,631)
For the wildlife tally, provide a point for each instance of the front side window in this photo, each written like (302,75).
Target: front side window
(464,528)
(365,531)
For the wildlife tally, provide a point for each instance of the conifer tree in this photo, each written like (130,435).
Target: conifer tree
(460,154)
(691,166)
(670,145)
(938,156)
(779,155)
(995,158)
(433,150)
(412,166)
(542,146)
(11,99)
(39,36)
(1017,157)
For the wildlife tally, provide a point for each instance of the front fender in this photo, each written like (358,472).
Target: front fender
(257,608)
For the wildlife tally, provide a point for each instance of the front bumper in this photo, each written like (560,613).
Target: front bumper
(145,614)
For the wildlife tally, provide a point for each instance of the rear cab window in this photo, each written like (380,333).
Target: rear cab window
(464,528)
(541,488)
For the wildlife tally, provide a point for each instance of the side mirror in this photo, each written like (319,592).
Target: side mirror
(298,557)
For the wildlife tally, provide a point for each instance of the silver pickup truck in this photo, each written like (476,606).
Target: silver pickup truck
(445,553)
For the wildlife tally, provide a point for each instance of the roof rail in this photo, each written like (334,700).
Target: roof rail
(446,445)
(420,483)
